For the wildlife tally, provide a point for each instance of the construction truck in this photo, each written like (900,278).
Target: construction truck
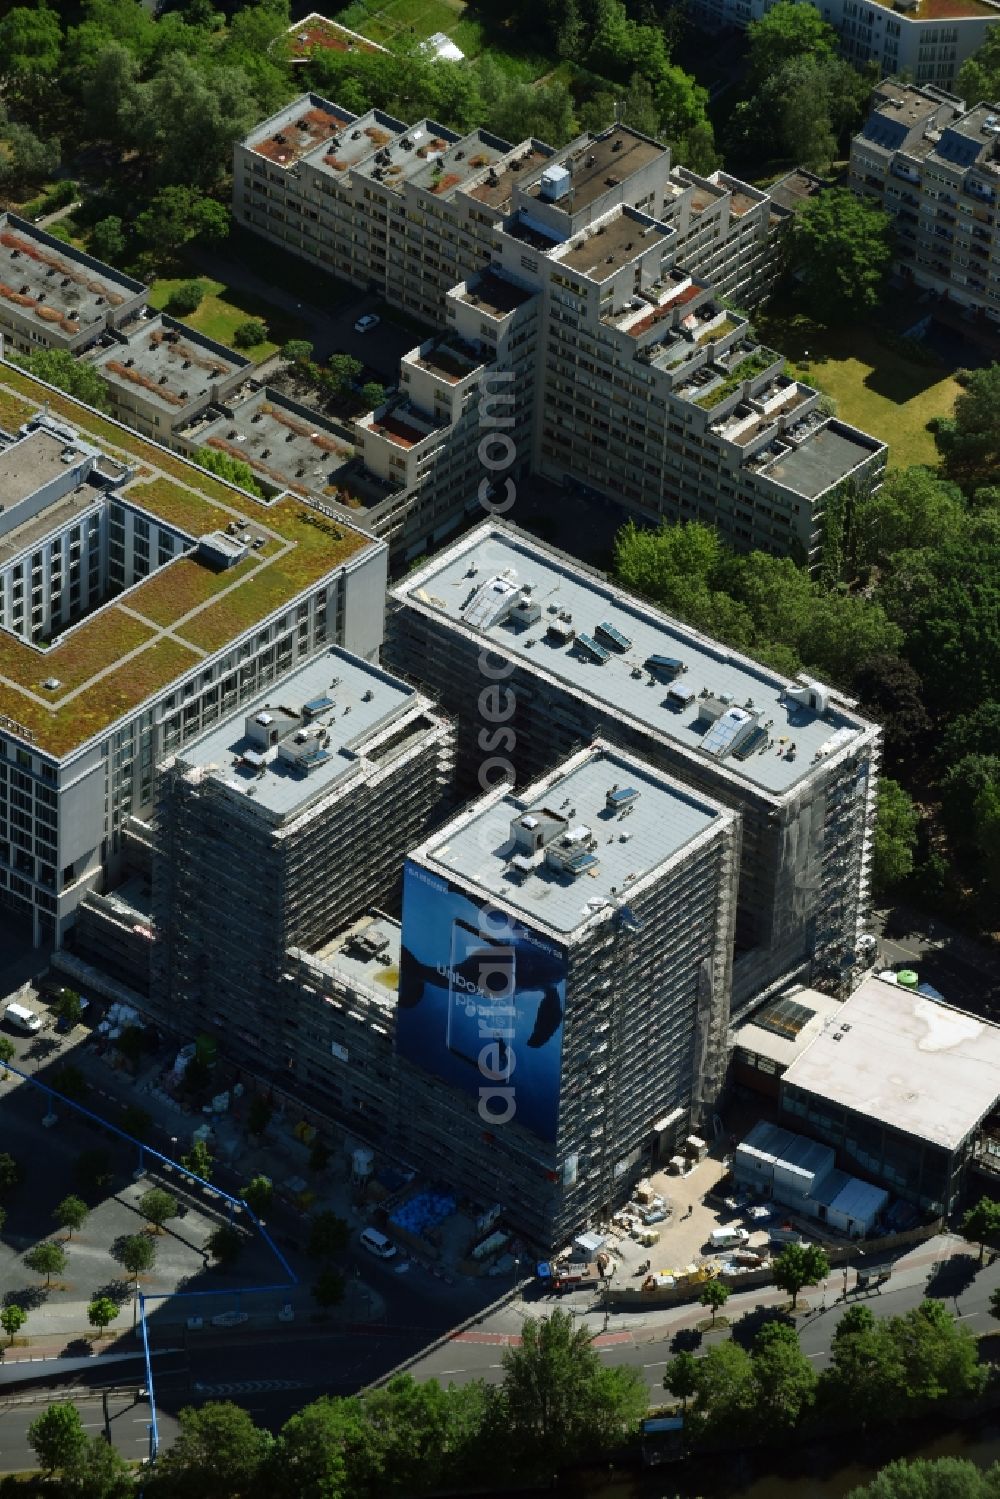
(690,1275)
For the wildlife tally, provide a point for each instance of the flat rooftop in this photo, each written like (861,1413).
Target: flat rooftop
(63,512)
(358,140)
(603,164)
(449,585)
(794,189)
(30,463)
(822,459)
(786,1024)
(403,158)
(447,357)
(905,102)
(283,446)
(626,846)
(494,293)
(297,130)
(614,242)
(461,163)
(129,651)
(318,31)
(360,700)
(55,283)
(497,189)
(910,1062)
(366,952)
(168,364)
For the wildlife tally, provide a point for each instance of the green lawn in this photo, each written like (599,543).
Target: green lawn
(222,310)
(391,21)
(875,384)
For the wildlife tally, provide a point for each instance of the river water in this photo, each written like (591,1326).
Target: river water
(818,1472)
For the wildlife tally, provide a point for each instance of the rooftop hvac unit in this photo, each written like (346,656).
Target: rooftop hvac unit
(554,184)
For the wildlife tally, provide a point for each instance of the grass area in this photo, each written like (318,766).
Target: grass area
(875,384)
(221,312)
(391,22)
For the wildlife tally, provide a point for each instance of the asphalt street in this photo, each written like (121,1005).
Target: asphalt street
(964,971)
(127,1425)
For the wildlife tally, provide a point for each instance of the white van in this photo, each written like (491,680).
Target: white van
(729,1238)
(377,1244)
(20,1018)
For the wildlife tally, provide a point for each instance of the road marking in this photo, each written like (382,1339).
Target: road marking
(456,1371)
(660,1364)
(822,1354)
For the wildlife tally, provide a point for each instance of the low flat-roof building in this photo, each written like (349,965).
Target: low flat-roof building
(53,296)
(574,656)
(163,373)
(900,1086)
(801,1175)
(765,1045)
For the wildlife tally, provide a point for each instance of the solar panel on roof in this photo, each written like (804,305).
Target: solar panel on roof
(592,649)
(750,745)
(613,637)
(785,1018)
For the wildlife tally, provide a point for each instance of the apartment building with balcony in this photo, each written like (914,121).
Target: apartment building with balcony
(53,296)
(276,829)
(934,166)
(926,40)
(128,627)
(575,657)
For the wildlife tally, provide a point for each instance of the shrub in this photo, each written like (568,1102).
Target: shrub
(247,335)
(186,298)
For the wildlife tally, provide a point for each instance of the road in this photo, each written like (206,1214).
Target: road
(128,1425)
(966,972)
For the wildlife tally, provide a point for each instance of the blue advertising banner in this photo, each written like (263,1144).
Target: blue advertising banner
(481,1002)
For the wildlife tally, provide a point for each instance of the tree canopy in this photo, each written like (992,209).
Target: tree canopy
(841,250)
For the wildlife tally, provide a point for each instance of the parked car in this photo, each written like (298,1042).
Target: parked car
(377,1244)
(366,323)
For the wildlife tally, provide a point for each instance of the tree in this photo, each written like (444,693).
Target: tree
(841,249)
(259,1115)
(186,298)
(101,1312)
(92,1170)
(558,1400)
(30,42)
(940,1358)
(321,1450)
(980,1223)
(328,1287)
(68,1007)
(199,1160)
(249,334)
(136,1121)
(372,395)
(258,1194)
(681,1378)
(714,1294)
(340,373)
(234,471)
(156,1206)
(995,1303)
(136,1253)
(865,1376)
(8,1051)
(970,439)
(892,692)
(800,1265)
(913,508)
(10,1172)
(71,1214)
(328,1235)
(937,1478)
(297,351)
(58,367)
(785,1380)
(132,1043)
(178,214)
(12,1319)
(726,1395)
(187,120)
(100,1472)
(218,1451)
(785,32)
(979,75)
(58,1437)
(895,836)
(225,1244)
(46,1259)
(107,239)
